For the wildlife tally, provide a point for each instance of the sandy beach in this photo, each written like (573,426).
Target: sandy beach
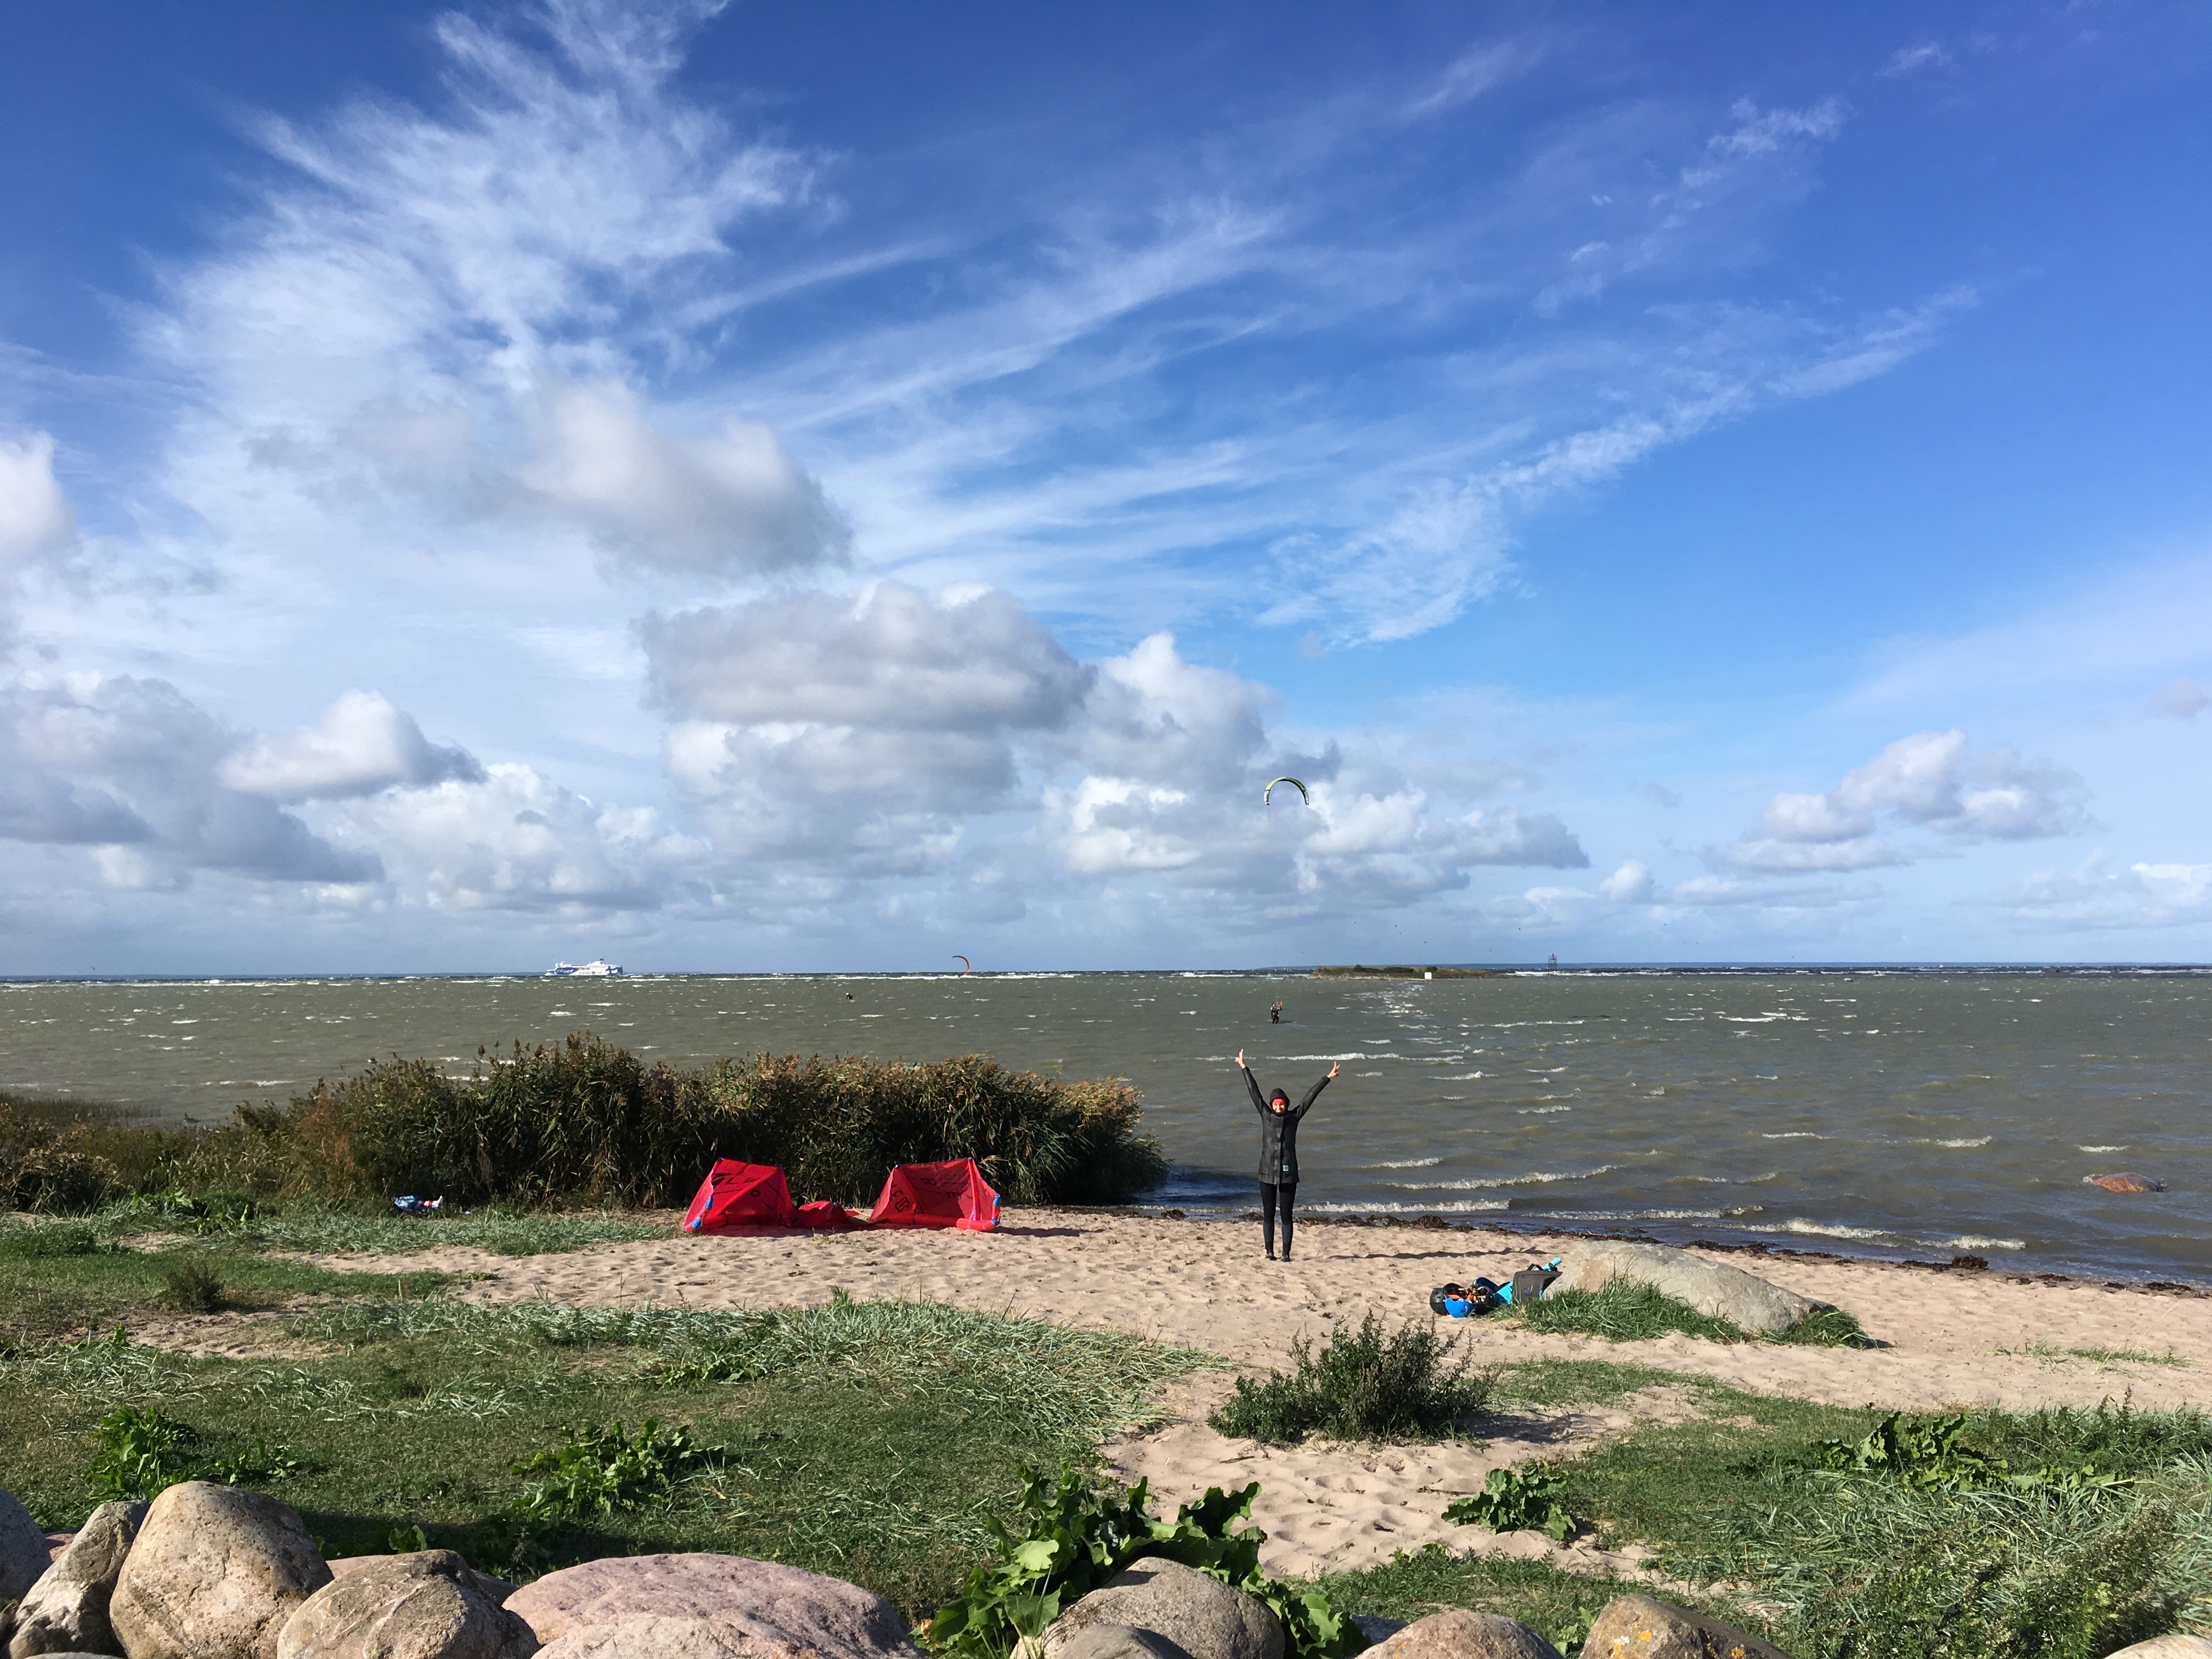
(1947,1339)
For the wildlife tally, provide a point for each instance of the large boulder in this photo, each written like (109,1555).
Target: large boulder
(215,1572)
(427,1604)
(1639,1627)
(1711,1287)
(762,1607)
(1197,1613)
(24,1553)
(1119,1642)
(2176,1646)
(1459,1634)
(1376,1628)
(66,1611)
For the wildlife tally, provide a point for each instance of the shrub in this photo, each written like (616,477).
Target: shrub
(142,1453)
(194,1289)
(35,1243)
(1363,1385)
(596,1471)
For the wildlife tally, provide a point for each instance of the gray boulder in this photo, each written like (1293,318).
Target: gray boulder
(1459,1634)
(215,1574)
(427,1604)
(656,1637)
(1376,1628)
(762,1608)
(1199,1613)
(1641,1628)
(24,1554)
(1119,1642)
(2176,1646)
(66,1611)
(1711,1287)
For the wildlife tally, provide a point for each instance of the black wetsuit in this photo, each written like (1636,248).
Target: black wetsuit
(1279,1158)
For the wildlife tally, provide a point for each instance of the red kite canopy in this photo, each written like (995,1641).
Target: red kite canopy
(735,1196)
(950,1194)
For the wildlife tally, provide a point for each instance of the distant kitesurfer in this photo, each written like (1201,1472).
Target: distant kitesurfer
(1275,1015)
(1278,1151)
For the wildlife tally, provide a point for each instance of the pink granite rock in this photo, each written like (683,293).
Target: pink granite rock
(762,1608)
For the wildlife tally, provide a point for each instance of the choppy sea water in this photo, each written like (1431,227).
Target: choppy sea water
(1916,1113)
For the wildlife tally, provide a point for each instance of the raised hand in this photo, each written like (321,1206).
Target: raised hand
(1333,1068)
(1240,1060)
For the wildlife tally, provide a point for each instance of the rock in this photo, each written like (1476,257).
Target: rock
(427,1604)
(1459,1634)
(2124,1181)
(23,1553)
(1376,1628)
(342,1565)
(1638,1627)
(215,1574)
(1119,1642)
(656,1638)
(763,1606)
(2176,1646)
(1711,1287)
(66,1611)
(1199,1613)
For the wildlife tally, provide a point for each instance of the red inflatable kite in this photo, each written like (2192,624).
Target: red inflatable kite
(950,1194)
(735,1196)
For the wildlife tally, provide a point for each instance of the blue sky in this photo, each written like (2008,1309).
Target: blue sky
(829,486)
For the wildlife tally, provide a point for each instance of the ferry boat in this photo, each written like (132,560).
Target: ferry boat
(598,968)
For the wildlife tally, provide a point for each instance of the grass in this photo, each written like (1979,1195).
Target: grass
(320,1229)
(1362,1385)
(870,1440)
(1628,1310)
(60,1279)
(2051,1354)
(584,1121)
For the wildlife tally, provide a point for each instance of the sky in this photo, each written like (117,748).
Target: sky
(829,487)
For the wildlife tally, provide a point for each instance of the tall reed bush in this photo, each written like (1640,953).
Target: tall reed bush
(583,1121)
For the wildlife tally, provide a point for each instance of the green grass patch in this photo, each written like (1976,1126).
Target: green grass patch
(875,1441)
(1362,1385)
(59,1280)
(1629,1310)
(2051,1353)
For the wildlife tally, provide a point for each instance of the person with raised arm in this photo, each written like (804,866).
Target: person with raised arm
(1278,1151)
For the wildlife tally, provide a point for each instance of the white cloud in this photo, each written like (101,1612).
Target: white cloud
(2181,698)
(509,839)
(131,766)
(1629,884)
(36,519)
(1924,55)
(2094,895)
(734,502)
(362,744)
(1928,780)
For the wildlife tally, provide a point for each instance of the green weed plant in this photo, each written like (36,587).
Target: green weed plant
(1516,1500)
(1079,1532)
(1629,1310)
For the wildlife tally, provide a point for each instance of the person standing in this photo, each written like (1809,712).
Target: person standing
(1278,1151)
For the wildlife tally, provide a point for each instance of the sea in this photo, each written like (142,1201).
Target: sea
(1915,1113)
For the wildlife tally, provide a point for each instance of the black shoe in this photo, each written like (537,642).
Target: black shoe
(1271,1255)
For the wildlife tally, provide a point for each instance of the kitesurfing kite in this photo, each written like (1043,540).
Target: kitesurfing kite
(1269,791)
(966,966)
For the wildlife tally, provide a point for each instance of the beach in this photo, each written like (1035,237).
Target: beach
(1947,1340)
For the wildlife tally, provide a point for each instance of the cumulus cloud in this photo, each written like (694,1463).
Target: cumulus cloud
(821,727)
(732,502)
(506,838)
(36,519)
(1629,884)
(361,746)
(1928,780)
(2095,896)
(2181,698)
(133,768)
